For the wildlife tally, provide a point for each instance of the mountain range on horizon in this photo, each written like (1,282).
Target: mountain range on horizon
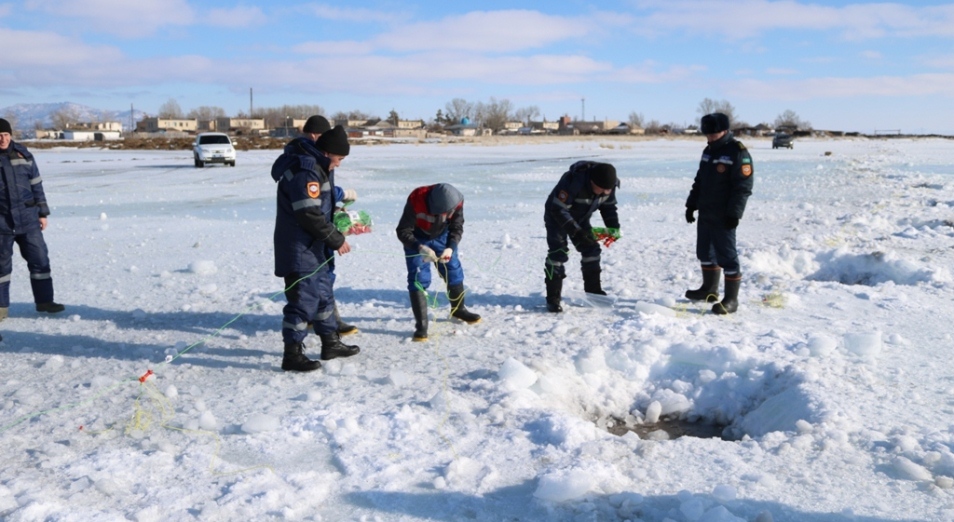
(25,116)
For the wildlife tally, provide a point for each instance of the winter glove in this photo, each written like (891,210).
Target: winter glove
(428,254)
(583,239)
(689,215)
(350,195)
(731,222)
(446,255)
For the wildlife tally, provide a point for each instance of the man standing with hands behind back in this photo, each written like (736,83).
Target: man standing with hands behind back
(722,186)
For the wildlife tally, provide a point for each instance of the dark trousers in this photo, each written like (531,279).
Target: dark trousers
(310,300)
(34,251)
(715,244)
(419,272)
(558,253)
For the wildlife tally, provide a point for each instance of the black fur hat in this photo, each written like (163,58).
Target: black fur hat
(714,123)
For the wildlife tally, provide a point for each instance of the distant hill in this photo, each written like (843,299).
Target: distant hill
(27,114)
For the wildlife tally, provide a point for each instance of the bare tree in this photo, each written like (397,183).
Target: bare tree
(653,127)
(709,106)
(636,120)
(459,108)
(527,114)
(170,110)
(65,118)
(496,113)
(393,118)
(791,120)
(206,113)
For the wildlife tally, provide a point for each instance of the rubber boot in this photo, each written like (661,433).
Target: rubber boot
(295,360)
(419,306)
(730,303)
(4,312)
(343,327)
(554,291)
(332,347)
(50,308)
(591,282)
(456,295)
(709,291)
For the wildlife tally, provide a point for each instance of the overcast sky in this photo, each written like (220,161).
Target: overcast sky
(839,65)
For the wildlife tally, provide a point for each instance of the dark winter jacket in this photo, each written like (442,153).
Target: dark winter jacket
(22,201)
(430,211)
(572,202)
(305,233)
(723,182)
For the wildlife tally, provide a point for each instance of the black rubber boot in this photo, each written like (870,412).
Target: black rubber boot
(295,360)
(343,327)
(591,281)
(419,306)
(458,310)
(709,291)
(50,308)
(332,347)
(554,293)
(730,303)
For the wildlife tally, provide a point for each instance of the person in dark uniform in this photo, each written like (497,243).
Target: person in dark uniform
(722,186)
(313,128)
(430,229)
(23,218)
(305,238)
(586,187)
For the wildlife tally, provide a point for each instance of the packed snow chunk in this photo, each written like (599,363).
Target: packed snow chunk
(650,308)
(515,376)
(779,413)
(8,501)
(562,431)
(203,267)
(171,392)
(821,345)
(138,314)
(911,470)
(720,514)
(260,423)
(563,485)
(399,378)
(207,421)
(866,345)
(692,508)
(944,482)
(102,216)
(872,269)
(724,493)
(653,412)
(591,361)
(208,289)
(672,402)
(54,362)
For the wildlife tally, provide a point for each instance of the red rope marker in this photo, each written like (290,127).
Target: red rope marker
(145,376)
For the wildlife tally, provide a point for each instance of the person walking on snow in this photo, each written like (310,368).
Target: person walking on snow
(23,218)
(719,192)
(586,187)
(305,238)
(432,222)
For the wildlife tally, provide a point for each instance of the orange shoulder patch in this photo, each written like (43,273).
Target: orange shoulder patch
(746,170)
(314,189)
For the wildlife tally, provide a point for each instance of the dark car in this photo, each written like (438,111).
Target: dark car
(782,140)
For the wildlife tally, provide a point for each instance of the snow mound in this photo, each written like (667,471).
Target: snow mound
(872,269)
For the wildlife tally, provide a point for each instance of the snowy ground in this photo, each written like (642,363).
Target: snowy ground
(833,379)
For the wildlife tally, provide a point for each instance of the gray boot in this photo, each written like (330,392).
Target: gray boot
(709,291)
(419,306)
(730,303)
(343,327)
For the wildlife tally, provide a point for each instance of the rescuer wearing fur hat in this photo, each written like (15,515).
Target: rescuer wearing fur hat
(721,188)
(430,229)
(588,186)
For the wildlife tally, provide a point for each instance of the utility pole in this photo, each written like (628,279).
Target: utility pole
(249,102)
(583,103)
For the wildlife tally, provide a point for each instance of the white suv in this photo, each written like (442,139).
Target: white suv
(213,147)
